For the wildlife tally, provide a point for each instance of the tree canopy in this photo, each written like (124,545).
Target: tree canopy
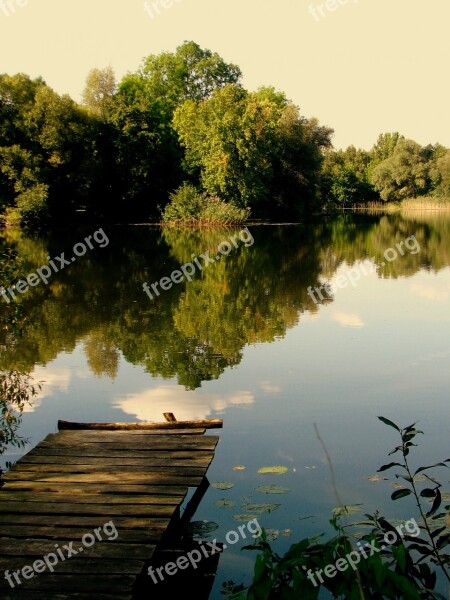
(182,119)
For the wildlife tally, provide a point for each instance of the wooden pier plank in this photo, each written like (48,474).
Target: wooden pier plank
(86,475)
(89,488)
(16,496)
(107,478)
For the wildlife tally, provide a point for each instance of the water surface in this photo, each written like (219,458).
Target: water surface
(244,341)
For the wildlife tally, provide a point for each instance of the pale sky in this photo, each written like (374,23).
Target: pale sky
(369,66)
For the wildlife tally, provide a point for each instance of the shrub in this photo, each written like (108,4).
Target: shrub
(190,207)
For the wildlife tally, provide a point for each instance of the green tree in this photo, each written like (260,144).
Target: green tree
(441,174)
(253,149)
(99,90)
(345,179)
(385,146)
(190,73)
(406,174)
(47,151)
(149,155)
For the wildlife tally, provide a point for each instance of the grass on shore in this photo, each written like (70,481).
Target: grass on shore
(419,203)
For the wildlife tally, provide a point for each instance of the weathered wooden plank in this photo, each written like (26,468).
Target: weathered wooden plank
(106,550)
(85,523)
(7,496)
(166,467)
(202,424)
(87,565)
(108,478)
(99,451)
(144,535)
(65,487)
(81,508)
(19,594)
(155,443)
(73,582)
(145,461)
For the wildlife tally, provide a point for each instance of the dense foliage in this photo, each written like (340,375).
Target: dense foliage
(184,117)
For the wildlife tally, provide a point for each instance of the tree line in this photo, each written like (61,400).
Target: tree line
(181,139)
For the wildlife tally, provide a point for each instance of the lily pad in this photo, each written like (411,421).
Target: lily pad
(201,528)
(222,485)
(272,489)
(347,510)
(377,478)
(243,518)
(222,503)
(398,486)
(272,534)
(261,508)
(278,470)
(239,468)
(424,479)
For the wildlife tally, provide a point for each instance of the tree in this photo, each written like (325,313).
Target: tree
(441,174)
(99,90)
(345,179)
(406,174)
(385,146)
(253,149)
(48,151)
(149,156)
(191,73)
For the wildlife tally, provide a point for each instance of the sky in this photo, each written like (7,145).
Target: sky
(362,67)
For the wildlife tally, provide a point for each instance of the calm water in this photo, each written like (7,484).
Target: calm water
(245,342)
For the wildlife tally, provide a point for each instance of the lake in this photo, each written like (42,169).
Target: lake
(249,340)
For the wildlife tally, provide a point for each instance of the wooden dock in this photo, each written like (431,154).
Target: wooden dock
(96,479)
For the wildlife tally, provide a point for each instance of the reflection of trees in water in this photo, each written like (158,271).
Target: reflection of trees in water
(359,237)
(16,392)
(195,331)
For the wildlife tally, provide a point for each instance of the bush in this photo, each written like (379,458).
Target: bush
(189,207)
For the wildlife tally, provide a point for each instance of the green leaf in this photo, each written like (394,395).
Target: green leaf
(201,528)
(222,485)
(390,423)
(347,510)
(389,466)
(278,470)
(400,494)
(244,518)
(260,508)
(222,503)
(441,464)
(428,493)
(436,504)
(272,489)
